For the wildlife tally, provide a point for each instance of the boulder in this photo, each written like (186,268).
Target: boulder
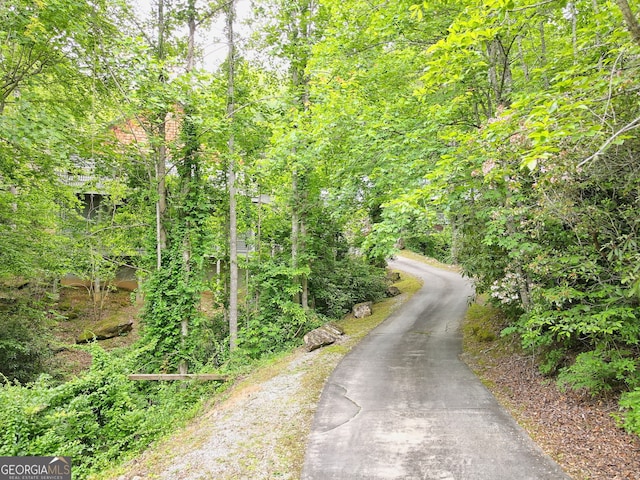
(393,276)
(108,328)
(364,309)
(334,328)
(325,335)
(393,291)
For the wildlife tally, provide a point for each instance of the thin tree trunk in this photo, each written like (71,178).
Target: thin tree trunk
(13,190)
(295,227)
(161,156)
(543,54)
(574,35)
(525,67)
(258,250)
(499,73)
(630,19)
(300,83)
(191,40)
(596,11)
(233,227)
(161,203)
(304,298)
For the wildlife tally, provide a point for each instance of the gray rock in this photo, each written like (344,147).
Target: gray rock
(334,328)
(400,244)
(392,276)
(364,309)
(320,337)
(393,291)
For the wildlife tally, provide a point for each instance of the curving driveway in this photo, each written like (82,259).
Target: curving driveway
(402,405)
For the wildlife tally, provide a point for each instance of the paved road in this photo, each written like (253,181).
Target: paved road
(402,405)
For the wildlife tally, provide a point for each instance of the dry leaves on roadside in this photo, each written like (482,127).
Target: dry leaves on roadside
(579,432)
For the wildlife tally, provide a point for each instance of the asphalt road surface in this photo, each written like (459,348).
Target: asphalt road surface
(402,405)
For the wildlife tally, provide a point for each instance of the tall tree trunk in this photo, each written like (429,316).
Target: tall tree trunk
(161,202)
(191,40)
(304,296)
(301,31)
(13,190)
(543,54)
(295,227)
(574,32)
(596,11)
(233,227)
(161,154)
(523,61)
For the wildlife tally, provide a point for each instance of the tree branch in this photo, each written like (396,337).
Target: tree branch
(630,126)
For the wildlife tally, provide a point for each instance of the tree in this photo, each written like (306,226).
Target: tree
(46,94)
(170,112)
(233,221)
(297,26)
(537,181)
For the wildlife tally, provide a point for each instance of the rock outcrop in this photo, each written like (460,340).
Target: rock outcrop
(104,329)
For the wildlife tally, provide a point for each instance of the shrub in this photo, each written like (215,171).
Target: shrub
(336,287)
(630,403)
(601,371)
(24,338)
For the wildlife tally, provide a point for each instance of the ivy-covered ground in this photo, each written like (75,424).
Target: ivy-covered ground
(581,433)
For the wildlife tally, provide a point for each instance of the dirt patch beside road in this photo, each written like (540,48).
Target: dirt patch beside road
(576,430)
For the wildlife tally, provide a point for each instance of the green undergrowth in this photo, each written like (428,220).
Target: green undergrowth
(482,342)
(102,419)
(482,326)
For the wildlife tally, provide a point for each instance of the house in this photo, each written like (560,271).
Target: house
(92,189)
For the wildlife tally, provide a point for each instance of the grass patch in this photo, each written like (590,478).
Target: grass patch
(482,342)
(481,325)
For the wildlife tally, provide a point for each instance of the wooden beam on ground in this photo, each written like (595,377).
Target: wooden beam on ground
(177,376)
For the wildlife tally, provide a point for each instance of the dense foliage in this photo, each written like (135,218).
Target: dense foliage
(501,135)
(98,418)
(545,189)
